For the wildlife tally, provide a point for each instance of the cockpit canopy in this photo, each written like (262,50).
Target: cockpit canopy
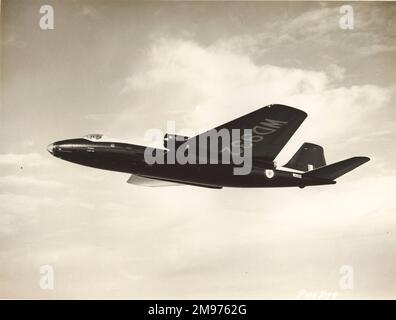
(99,138)
(93,136)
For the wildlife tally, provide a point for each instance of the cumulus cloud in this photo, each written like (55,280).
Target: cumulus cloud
(336,72)
(318,29)
(221,85)
(107,238)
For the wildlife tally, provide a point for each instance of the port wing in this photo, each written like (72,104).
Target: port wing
(272,127)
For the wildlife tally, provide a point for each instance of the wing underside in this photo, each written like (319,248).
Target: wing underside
(272,127)
(149,182)
(164,182)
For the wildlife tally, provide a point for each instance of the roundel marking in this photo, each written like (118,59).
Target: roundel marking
(269,173)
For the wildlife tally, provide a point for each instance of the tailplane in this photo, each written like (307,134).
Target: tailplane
(335,170)
(309,157)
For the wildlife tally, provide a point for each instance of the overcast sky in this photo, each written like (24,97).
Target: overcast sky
(120,68)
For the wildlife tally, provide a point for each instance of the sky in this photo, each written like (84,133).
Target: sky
(121,68)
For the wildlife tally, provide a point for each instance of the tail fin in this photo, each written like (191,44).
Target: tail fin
(310,156)
(335,170)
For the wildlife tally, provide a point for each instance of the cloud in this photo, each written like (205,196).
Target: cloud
(107,238)
(25,160)
(207,86)
(97,116)
(12,40)
(87,10)
(376,48)
(373,136)
(318,29)
(17,203)
(317,25)
(336,72)
(312,23)
(28,182)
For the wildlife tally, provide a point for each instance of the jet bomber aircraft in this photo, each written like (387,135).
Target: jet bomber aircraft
(269,129)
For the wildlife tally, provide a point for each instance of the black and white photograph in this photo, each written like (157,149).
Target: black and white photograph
(197,150)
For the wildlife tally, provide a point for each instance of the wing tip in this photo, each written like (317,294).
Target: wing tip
(362,159)
(285,107)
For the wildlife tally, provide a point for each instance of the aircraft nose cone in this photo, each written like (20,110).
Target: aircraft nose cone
(50,148)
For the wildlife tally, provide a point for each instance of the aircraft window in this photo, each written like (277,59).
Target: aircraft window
(94,136)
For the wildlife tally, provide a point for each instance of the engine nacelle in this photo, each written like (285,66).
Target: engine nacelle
(174,140)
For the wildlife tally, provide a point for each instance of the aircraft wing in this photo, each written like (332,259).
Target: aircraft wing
(272,127)
(146,181)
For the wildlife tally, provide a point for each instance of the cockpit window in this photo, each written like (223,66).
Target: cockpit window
(93,136)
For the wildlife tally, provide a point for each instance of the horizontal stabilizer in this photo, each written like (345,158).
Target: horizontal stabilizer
(335,170)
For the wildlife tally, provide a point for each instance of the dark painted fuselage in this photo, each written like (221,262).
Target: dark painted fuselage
(130,159)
